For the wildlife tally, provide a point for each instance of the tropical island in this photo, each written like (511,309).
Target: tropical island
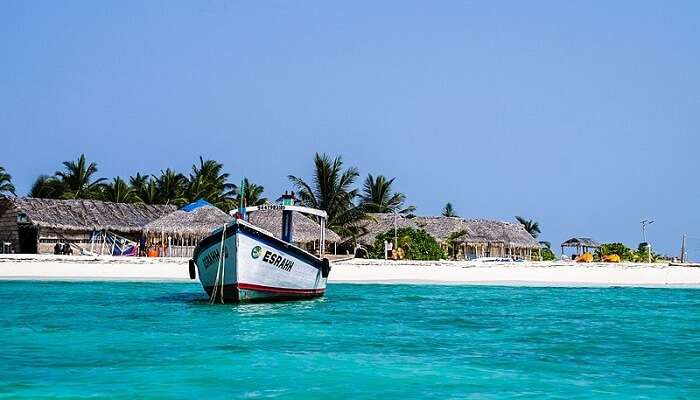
(163,216)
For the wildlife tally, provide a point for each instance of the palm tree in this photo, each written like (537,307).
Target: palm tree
(209,182)
(6,185)
(119,192)
(448,211)
(331,190)
(377,196)
(253,194)
(170,188)
(532,227)
(148,194)
(46,187)
(77,179)
(138,182)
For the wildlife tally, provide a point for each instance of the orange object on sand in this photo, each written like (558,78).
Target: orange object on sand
(585,258)
(611,258)
(153,252)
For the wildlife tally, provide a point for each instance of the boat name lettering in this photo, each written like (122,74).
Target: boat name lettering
(278,261)
(270,207)
(213,257)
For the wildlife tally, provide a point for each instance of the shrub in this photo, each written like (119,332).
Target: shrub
(547,254)
(416,244)
(620,249)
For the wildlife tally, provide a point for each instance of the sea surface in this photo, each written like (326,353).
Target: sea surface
(162,340)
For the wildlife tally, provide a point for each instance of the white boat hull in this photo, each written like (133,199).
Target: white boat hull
(257,266)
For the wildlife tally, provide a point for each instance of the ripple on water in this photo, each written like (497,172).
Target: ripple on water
(160,340)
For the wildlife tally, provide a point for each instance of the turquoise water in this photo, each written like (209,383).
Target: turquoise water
(162,340)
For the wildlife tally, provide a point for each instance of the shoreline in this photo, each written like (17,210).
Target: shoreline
(363,271)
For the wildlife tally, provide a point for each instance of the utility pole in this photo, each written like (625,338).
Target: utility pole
(644,234)
(683,250)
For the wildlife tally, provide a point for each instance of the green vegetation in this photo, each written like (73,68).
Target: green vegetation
(46,187)
(332,190)
(207,181)
(253,194)
(642,254)
(6,186)
(532,227)
(448,211)
(546,253)
(416,244)
(119,192)
(451,242)
(620,249)
(378,197)
(77,180)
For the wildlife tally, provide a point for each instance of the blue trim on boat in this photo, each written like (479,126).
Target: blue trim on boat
(261,237)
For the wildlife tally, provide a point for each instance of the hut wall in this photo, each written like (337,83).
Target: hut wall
(49,237)
(8,229)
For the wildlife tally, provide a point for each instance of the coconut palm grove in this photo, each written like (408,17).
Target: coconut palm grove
(331,186)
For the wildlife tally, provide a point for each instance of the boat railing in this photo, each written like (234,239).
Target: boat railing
(304,210)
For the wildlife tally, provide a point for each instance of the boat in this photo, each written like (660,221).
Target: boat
(494,260)
(240,262)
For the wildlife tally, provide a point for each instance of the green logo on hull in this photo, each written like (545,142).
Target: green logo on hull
(255,253)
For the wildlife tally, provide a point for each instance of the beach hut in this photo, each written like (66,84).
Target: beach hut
(581,244)
(469,238)
(474,238)
(36,225)
(178,233)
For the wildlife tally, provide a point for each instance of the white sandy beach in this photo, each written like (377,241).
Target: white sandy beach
(49,267)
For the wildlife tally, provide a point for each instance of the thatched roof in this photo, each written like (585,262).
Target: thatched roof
(581,241)
(305,229)
(198,222)
(475,231)
(89,215)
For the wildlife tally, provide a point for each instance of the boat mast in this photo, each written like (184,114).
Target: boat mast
(287,217)
(241,201)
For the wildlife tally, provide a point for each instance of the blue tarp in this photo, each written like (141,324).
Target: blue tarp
(193,206)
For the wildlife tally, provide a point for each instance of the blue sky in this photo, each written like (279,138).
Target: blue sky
(581,115)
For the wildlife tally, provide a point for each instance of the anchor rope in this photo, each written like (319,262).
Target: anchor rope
(219,271)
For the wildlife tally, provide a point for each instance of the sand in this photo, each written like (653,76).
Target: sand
(49,267)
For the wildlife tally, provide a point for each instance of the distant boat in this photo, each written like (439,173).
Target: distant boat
(241,262)
(497,260)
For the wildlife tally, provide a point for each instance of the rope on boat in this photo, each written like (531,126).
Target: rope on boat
(219,287)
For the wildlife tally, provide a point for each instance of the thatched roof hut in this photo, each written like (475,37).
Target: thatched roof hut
(478,236)
(475,231)
(581,244)
(30,225)
(79,215)
(581,241)
(379,223)
(305,230)
(198,222)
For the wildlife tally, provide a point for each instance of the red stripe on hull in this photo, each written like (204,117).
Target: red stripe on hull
(235,293)
(272,289)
